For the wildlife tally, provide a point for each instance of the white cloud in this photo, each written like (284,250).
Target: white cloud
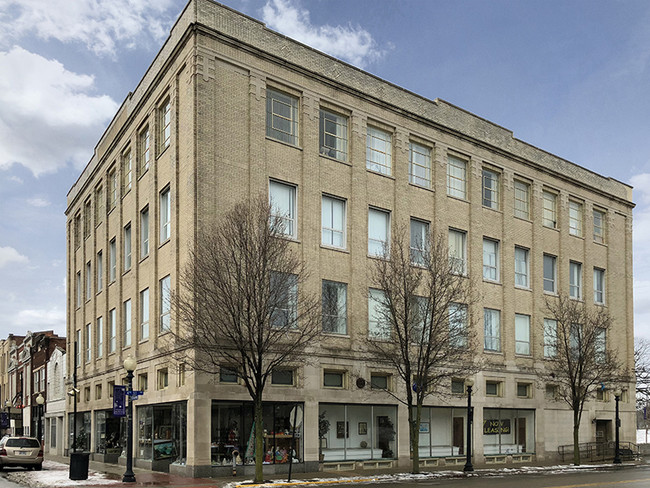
(38,202)
(99,24)
(48,116)
(36,319)
(10,255)
(351,43)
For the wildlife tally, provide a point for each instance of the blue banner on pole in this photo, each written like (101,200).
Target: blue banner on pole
(119,401)
(4,420)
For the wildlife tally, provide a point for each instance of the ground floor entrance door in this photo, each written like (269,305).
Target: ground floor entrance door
(459,434)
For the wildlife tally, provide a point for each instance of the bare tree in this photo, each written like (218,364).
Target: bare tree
(642,372)
(242,302)
(421,322)
(579,359)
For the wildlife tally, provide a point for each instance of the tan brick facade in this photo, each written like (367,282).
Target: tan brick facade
(215,69)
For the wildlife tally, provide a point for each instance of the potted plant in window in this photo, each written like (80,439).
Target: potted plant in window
(323,429)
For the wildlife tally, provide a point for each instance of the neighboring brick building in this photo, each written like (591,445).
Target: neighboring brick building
(230,109)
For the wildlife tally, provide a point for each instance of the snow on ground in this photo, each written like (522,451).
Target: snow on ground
(57,474)
(387,478)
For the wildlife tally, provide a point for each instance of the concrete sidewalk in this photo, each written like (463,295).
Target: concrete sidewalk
(56,469)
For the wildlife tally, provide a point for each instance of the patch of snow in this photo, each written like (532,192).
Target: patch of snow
(57,474)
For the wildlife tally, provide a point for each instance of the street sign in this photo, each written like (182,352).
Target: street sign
(119,401)
(136,393)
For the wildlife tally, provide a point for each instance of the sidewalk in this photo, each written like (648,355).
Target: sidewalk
(56,474)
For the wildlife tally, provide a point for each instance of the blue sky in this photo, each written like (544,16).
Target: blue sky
(571,77)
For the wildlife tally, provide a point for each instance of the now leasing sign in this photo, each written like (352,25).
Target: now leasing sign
(494,426)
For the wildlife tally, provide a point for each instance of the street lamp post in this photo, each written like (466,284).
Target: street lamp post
(129,477)
(8,405)
(617,452)
(40,401)
(469,382)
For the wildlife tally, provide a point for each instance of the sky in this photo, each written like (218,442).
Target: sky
(570,77)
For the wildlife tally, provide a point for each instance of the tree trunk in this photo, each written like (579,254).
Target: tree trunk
(414,434)
(576,445)
(259,441)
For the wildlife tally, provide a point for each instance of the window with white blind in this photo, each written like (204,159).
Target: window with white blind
(522,334)
(575,280)
(490,260)
(165,215)
(334,307)
(419,244)
(333,222)
(458,251)
(282,198)
(599,286)
(378,150)
(378,325)
(127,323)
(378,232)
(575,218)
(281,116)
(521,267)
(144,314)
(165,304)
(492,329)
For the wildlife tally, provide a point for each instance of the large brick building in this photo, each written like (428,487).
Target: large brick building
(229,109)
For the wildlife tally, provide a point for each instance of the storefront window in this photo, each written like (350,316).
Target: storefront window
(442,432)
(162,432)
(508,431)
(232,431)
(110,433)
(357,432)
(83,431)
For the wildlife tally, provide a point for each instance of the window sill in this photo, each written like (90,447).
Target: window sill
(551,293)
(144,172)
(142,259)
(126,193)
(126,271)
(496,210)
(288,144)
(425,188)
(524,219)
(492,352)
(379,173)
(334,248)
(331,158)
(142,341)
(523,288)
(334,334)
(464,200)
(492,282)
(577,236)
(162,150)
(604,244)
(551,228)
(164,242)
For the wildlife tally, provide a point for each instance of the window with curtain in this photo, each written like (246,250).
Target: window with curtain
(522,334)
(378,228)
(282,198)
(378,150)
(333,135)
(458,251)
(333,222)
(490,260)
(492,329)
(521,267)
(420,165)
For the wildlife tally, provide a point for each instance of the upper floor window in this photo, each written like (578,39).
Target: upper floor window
(550,338)
(458,251)
(333,221)
(100,337)
(78,290)
(333,135)
(112,324)
(490,189)
(100,204)
(89,281)
(575,218)
(599,226)
(378,150)
(112,188)
(87,217)
(600,345)
(456,177)
(127,247)
(282,198)
(599,285)
(458,322)
(335,307)
(549,213)
(144,141)
(144,314)
(550,281)
(378,325)
(419,242)
(522,334)
(522,200)
(127,323)
(490,260)
(112,260)
(164,124)
(165,304)
(99,271)
(492,329)
(144,232)
(378,231)
(281,116)
(127,172)
(575,280)
(165,215)
(521,267)
(284,300)
(420,165)
(282,376)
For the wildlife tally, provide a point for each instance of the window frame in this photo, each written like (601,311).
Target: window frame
(100,336)
(99,270)
(576,218)
(521,206)
(127,309)
(454,259)
(600,286)
(291,136)
(419,162)
(112,324)
(164,114)
(419,255)
(379,159)
(341,289)
(331,372)
(522,342)
(492,341)
(457,183)
(144,232)
(526,267)
(575,280)
(328,206)
(375,242)
(340,150)
(127,246)
(552,260)
(144,313)
(290,219)
(165,201)
(164,316)
(550,338)
(285,370)
(549,209)
(377,330)
(491,268)
(112,260)
(127,171)
(599,225)
(144,150)
(490,195)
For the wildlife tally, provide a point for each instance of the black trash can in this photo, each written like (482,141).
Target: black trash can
(79,465)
